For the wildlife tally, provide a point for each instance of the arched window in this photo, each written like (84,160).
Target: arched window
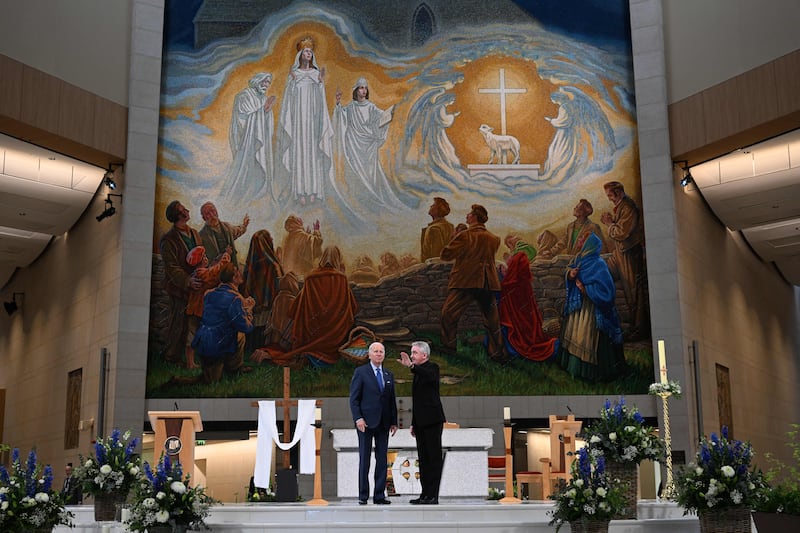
(423,25)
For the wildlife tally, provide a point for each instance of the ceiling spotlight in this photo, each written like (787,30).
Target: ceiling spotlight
(108,180)
(687,174)
(108,177)
(12,306)
(110,210)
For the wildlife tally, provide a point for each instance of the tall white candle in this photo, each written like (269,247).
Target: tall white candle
(318,414)
(506,413)
(662,361)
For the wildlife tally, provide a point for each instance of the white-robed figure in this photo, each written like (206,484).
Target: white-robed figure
(360,130)
(305,135)
(250,137)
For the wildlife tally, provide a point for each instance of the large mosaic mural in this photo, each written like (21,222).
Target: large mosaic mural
(461,172)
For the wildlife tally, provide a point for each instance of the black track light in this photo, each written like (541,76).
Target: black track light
(687,173)
(12,306)
(108,180)
(110,210)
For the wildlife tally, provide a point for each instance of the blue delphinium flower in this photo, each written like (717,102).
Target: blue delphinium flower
(114,467)
(720,477)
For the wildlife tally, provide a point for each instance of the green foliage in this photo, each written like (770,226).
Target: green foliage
(261,495)
(782,494)
(469,373)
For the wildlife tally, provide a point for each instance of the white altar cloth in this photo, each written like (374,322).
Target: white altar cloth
(464,475)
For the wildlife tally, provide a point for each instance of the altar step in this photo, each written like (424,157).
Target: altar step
(401,517)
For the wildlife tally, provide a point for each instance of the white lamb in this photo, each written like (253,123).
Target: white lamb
(500,145)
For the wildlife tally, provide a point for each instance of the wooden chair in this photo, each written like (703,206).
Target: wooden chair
(563,430)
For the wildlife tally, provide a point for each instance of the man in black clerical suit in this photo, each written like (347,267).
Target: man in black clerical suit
(427,419)
(71,492)
(374,408)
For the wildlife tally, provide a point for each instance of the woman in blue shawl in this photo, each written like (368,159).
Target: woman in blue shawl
(591,336)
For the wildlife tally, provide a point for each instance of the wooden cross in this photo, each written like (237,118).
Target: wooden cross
(287,404)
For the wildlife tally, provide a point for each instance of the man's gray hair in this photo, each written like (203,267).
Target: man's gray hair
(423,346)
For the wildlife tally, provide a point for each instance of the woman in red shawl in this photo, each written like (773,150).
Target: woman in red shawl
(322,315)
(324,311)
(520,317)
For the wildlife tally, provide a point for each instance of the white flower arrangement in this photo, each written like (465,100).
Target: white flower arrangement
(114,467)
(28,499)
(720,477)
(165,497)
(671,387)
(588,494)
(622,434)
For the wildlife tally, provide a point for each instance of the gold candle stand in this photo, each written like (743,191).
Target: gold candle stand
(669,488)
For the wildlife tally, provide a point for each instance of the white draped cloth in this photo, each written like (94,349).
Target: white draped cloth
(268,433)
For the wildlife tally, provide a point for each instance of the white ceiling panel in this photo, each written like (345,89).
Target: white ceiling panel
(42,194)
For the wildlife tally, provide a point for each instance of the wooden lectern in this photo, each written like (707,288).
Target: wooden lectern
(175,436)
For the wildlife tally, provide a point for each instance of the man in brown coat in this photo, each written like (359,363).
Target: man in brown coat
(473,277)
(175,245)
(625,228)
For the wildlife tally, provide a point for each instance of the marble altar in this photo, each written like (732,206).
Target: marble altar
(465,476)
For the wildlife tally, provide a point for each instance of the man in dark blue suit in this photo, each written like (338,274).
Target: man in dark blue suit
(374,408)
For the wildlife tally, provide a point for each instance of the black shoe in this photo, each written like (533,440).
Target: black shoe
(416,501)
(382,502)
(429,501)
(362,502)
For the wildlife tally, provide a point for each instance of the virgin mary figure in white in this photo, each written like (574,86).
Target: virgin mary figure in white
(305,136)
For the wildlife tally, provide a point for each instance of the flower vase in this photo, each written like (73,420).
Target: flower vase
(730,520)
(105,505)
(627,474)
(586,525)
